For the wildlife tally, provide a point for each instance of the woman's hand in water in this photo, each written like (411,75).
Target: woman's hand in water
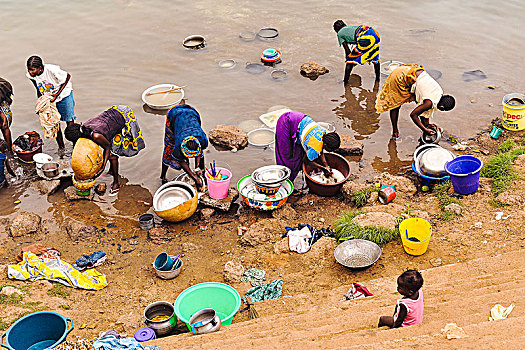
(327,171)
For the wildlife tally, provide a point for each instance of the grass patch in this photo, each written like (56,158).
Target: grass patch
(346,229)
(361,197)
(3,325)
(58,290)
(64,306)
(11,299)
(499,167)
(446,215)
(496,203)
(441,193)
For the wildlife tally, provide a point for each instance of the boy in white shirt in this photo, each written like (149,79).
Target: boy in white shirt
(51,80)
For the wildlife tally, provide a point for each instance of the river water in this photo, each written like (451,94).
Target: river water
(115,49)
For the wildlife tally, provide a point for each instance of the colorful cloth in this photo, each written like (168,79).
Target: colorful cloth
(181,121)
(366,48)
(397,88)
(89,261)
(356,291)
(5,108)
(188,153)
(347,34)
(3,157)
(414,310)
(311,137)
(39,250)
(288,151)
(33,268)
(49,116)
(129,141)
(272,290)
(426,88)
(110,342)
(255,276)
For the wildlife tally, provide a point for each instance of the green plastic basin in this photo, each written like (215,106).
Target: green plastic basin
(225,300)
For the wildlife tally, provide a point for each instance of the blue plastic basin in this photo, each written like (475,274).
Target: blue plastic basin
(37,331)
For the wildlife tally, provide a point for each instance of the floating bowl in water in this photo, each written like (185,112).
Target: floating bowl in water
(254,199)
(278,74)
(357,253)
(194,42)
(161,100)
(255,68)
(268,33)
(247,35)
(335,161)
(262,137)
(175,201)
(329,127)
(388,66)
(227,64)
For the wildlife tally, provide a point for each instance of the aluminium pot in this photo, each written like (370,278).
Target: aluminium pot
(160,308)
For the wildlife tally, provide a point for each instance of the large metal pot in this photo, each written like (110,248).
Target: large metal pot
(160,308)
(334,161)
(205,321)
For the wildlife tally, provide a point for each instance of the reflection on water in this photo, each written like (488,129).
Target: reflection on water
(359,108)
(394,164)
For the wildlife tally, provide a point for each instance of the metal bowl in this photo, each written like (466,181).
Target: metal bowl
(255,68)
(357,253)
(271,174)
(278,74)
(268,33)
(431,138)
(174,272)
(175,201)
(227,64)
(160,308)
(262,132)
(50,169)
(205,321)
(247,35)
(194,42)
(178,96)
(432,161)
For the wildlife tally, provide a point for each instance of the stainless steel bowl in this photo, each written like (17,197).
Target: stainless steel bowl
(431,161)
(50,169)
(357,253)
(431,138)
(168,197)
(160,308)
(171,274)
(205,321)
(271,174)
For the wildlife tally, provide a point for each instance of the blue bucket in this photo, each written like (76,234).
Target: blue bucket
(163,262)
(37,331)
(464,173)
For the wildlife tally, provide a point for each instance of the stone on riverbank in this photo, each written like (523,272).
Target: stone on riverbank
(233,271)
(8,291)
(159,235)
(377,219)
(228,136)
(207,213)
(350,146)
(454,207)
(46,187)
(404,186)
(78,231)
(71,195)
(221,204)
(323,250)
(25,223)
(282,246)
(286,213)
(263,231)
(313,70)
(350,188)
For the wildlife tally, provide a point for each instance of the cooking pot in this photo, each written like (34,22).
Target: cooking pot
(160,308)
(50,169)
(205,321)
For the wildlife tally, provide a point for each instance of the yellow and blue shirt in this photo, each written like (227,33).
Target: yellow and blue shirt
(311,137)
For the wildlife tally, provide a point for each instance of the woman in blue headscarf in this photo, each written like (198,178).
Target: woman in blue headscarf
(184,139)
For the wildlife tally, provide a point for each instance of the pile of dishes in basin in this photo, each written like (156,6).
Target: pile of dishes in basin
(267,188)
(429,163)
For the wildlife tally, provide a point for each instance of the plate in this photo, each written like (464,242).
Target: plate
(278,74)
(171,197)
(261,137)
(255,68)
(227,64)
(248,35)
(268,33)
(388,66)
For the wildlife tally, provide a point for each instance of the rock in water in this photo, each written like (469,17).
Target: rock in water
(350,146)
(228,136)
(71,194)
(220,204)
(313,70)
(46,186)
(25,223)
(79,231)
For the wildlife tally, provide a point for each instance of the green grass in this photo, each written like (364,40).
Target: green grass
(13,298)
(441,193)
(346,229)
(58,290)
(446,215)
(3,325)
(496,203)
(64,306)
(499,167)
(361,197)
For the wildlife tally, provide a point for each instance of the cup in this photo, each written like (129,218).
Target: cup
(163,262)
(495,132)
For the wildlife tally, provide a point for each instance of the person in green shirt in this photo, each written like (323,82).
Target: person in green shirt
(365,41)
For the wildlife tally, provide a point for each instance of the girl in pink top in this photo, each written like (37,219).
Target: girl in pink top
(409,309)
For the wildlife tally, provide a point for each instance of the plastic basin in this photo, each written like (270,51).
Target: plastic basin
(335,161)
(464,173)
(37,331)
(415,234)
(225,300)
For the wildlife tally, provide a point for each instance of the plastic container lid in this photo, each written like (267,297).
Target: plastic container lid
(144,334)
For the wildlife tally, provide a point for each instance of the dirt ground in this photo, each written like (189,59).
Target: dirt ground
(207,245)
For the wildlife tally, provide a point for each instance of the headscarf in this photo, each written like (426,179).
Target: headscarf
(188,153)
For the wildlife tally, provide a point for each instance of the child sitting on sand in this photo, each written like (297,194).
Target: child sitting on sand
(4,163)
(409,309)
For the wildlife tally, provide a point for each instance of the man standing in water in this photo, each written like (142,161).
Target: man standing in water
(366,43)
(407,83)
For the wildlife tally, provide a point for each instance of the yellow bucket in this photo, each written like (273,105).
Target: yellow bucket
(514,111)
(415,229)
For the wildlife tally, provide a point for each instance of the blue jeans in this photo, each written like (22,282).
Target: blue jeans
(66,108)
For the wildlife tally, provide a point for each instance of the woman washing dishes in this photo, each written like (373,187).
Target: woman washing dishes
(298,138)
(184,139)
(6,117)
(407,83)
(115,130)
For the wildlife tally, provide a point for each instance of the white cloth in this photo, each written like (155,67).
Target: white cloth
(299,240)
(49,116)
(426,88)
(50,81)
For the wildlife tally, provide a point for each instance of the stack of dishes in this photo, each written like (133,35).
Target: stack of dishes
(429,163)
(268,179)
(271,56)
